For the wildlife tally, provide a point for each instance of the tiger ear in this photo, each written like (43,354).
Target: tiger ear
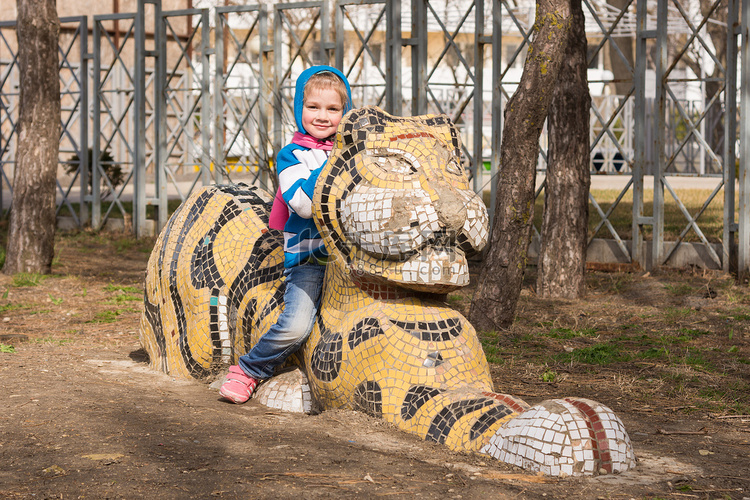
(346,129)
(355,125)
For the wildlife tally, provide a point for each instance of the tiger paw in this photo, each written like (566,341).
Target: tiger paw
(564,437)
(287,391)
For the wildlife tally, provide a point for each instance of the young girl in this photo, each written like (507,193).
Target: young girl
(322,97)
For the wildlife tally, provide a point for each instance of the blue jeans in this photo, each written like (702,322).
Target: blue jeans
(301,302)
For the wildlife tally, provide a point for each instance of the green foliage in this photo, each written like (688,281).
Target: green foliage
(548,376)
(7,348)
(489,345)
(28,279)
(675,314)
(121,298)
(687,334)
(655,353)
(122,289)
(10,307)
(123,294)
(569,333)
(106,317)
(597,354)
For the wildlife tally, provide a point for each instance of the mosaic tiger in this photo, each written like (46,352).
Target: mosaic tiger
(399,221)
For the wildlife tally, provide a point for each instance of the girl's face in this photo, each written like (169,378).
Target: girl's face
(321,112)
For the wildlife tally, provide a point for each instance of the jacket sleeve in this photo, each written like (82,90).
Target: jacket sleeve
(298,169)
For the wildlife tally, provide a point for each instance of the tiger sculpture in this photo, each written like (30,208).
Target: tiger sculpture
(399,220)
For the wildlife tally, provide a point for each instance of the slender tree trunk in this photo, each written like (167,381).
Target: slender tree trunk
(32,216)
(494,304)
(562,256)
(622,61)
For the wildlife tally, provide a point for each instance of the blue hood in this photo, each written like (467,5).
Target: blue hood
(299,92)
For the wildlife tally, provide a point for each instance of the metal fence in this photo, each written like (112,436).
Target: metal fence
(169,100)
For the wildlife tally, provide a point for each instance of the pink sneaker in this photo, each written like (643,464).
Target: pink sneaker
(237,386)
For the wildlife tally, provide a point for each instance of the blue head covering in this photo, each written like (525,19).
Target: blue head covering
(299,92)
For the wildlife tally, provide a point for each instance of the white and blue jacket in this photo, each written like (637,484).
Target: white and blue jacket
(298,168)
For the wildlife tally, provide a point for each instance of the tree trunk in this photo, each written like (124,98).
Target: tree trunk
(32,216)
(494,304)
(622,69)
(562,256)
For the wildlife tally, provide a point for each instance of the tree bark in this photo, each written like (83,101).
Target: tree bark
(32,216)
(494,304)
(562,256)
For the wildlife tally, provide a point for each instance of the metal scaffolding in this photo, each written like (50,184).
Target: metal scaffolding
(171,100)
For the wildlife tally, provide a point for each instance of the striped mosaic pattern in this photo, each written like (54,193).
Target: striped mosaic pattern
(287,391)
(565,437)
(399,219)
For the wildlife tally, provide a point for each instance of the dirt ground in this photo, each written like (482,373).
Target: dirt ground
(83,416)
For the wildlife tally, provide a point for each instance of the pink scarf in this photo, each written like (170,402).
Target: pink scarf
(311,142)
(279,211)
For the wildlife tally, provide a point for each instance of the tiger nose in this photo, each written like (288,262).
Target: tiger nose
(450,208)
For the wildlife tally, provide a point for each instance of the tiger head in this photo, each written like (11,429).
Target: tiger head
(393,202)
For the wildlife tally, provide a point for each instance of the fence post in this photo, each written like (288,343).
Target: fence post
(139,160)
(730,130)
(418,42)
(160,120)
(497,101)
(639,140)
(660,130)
(326,47)
(478,95)
(219,79)
(743,244)
(277,97)
(206,52)
(96,202)
(265,89)
(83,156)
(393,58)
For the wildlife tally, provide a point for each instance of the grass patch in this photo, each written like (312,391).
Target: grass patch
(106,316)
(455,300)
(569,333)
(123,298)
(123,294)
(655,353)
(28,279)
(52,340)
(123,289)
(597,354)
(11,307)
(687,334)
(7,348)
(674,314)
(680,289)
(489,345)
(110,316)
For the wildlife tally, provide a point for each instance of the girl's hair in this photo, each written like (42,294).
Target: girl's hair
(326,80)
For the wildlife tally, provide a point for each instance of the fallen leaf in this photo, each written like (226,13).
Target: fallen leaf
(55,470)
(103,456)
